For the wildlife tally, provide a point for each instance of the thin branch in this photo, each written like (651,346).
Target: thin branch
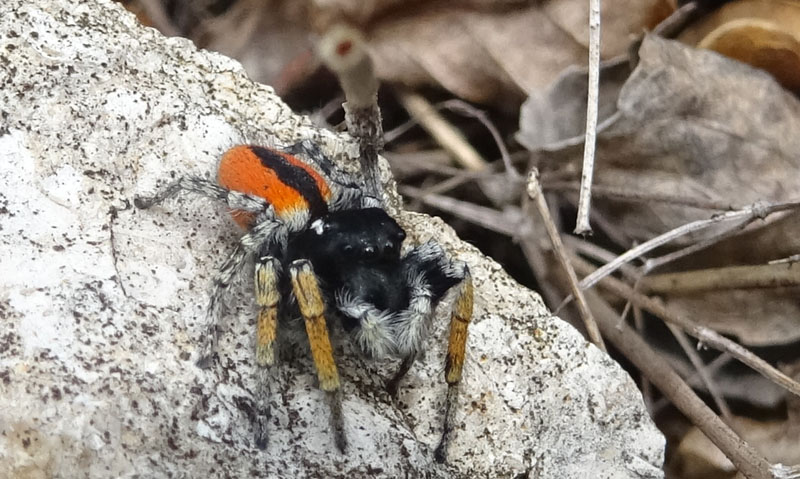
(584,202)
(441,130)
(604,191)
(693,379)
(646,385)
(599,254)
(729,232)
(779,471)
(633,347)
(465,108)
(504,222)
(702,371)
(789,259)
(732,277)
(535,193)
(758,210)
(705,335)
(538,263)
(435,161)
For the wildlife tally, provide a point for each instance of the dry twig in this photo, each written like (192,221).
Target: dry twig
(630,344)
(584,202)
(535,193)
(504,222)
(465,108)
(705,335)
(702,372)
(657,262)
(733,277)
(603,191)
(758,210)
(439,128)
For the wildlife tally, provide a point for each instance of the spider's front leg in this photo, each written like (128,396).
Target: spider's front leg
(312,308)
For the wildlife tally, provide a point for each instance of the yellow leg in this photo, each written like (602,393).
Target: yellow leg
(267,298)
(454,364)
(312,308)
(459,320)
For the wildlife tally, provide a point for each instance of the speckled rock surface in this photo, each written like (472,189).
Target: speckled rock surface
(101,305)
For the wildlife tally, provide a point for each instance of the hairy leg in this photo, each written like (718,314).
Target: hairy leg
(260,237)
(267,297)
(456,350)
(312,308)
(234,199)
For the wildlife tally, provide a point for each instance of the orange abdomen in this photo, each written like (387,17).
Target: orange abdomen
(286,182)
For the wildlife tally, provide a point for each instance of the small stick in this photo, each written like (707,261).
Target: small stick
(465,108)
(582,226)
(344,51)
(702,371)
(729,232)
(733,277)
(633,347)
(443,131)
(604,191)
(789,259)
(705,335)
(758,210)
(599,254)
(535,193)
(646,385)
(504,222)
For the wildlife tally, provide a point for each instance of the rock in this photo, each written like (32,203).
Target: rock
(102,304)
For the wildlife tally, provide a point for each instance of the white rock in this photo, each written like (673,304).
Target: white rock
(101,305)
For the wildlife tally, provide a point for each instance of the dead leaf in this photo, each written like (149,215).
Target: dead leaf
(724,128)
(758,317)
(622,21)
(494,55)
(697,125)
(479,56)
(761,33)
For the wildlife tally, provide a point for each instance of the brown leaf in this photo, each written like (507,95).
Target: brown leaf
(697,125)
(724,130)
(621,21)
(476,55)
(758,317)
(487,55)
(761,33)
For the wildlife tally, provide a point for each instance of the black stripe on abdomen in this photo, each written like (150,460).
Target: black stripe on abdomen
(294,177)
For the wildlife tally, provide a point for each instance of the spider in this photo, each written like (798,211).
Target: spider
(328,253)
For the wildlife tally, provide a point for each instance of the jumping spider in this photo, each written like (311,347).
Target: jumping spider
(321,248)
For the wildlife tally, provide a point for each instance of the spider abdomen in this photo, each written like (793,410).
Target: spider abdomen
(286,182)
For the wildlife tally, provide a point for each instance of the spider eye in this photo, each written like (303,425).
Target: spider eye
(369,250)
(347,250)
